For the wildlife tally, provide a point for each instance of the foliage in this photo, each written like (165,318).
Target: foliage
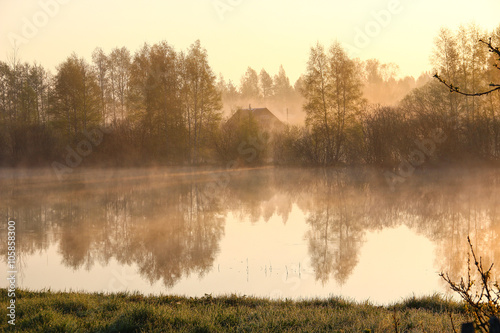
(250,84)
(240,140)
(201,101)
(333,100)
(495,86)
(162,106)
(75,98)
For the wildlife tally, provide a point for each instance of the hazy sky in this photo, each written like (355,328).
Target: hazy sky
(239,33)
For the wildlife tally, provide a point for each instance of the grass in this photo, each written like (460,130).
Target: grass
(47,311)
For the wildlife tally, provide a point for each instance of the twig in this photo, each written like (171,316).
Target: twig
(452,323)
(496,86)
(482,301)
(457,89)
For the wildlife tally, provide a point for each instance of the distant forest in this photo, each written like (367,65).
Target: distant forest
(160,106)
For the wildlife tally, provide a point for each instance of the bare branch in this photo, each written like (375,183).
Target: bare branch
(495,86)
(457,89)
(491,48)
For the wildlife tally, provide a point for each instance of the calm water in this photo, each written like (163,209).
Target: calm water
(265,232)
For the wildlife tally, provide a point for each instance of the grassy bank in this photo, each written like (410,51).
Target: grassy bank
(79,312)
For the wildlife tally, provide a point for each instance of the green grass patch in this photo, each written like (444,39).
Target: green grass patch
(47,311)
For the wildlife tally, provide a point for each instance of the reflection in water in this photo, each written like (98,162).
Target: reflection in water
(335,233)
(170,223)
(165,226)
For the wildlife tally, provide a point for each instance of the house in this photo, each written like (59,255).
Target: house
(265,119)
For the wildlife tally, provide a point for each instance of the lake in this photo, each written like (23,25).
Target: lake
(270,232)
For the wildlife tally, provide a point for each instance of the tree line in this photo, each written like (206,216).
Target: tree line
(343,128)
(162,106)
(157,105)
(380,86)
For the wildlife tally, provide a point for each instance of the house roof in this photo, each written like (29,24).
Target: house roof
(265,118)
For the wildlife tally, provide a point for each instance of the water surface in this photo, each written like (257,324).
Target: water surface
(268,232)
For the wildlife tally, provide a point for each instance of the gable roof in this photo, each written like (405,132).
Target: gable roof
(264,118)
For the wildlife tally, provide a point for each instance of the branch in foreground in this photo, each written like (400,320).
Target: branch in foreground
(482,299)
(457,90)
(491,48)
(453,88)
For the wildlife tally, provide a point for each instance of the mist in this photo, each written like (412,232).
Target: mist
(237,152)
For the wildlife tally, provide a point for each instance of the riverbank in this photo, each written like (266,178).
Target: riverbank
(80,312)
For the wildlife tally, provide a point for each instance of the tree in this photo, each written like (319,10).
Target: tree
(231,91)
(445,59)
(475,111)
(238,139)
(495,50)
(347,97)
(140,84)
(24,91)
(201,100)
(119,68)
(333,95)
(100,61)
(282,88)
(266,84)
(228,91)
(163,99)
(381,85)
(76,97)
(318,106)
(299,85)
(155,100)
(250,85)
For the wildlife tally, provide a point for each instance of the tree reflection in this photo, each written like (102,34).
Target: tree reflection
(336,228)
(169,228)
(181,237)
(170,224)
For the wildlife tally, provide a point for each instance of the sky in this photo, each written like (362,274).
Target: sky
(239,33)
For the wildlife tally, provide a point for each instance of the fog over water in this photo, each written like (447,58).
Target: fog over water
(273,232)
